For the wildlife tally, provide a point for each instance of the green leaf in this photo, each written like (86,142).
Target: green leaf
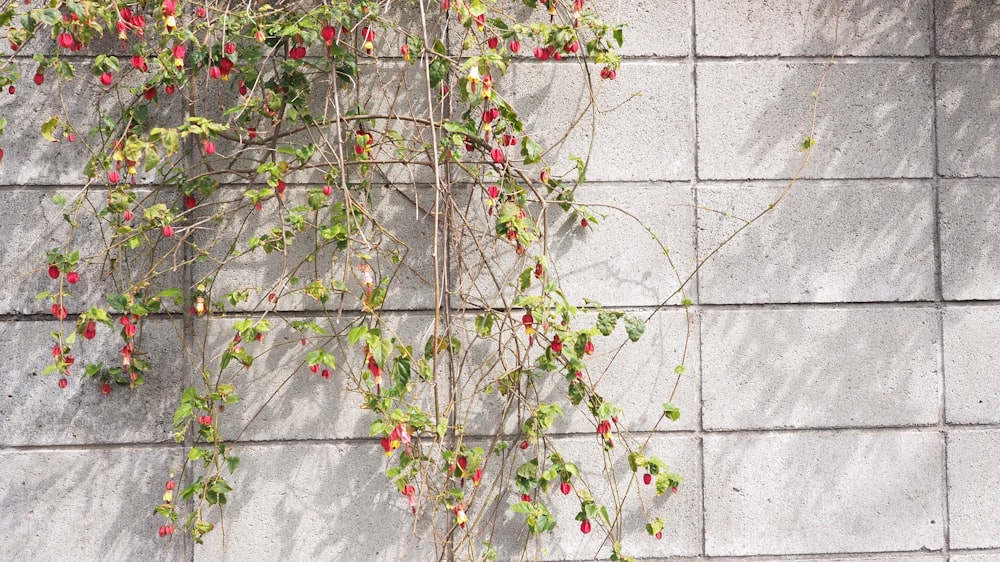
(531,151)
(606,322)
(438,70)
(670,411)
(634,327)
(49,127)
(232,463)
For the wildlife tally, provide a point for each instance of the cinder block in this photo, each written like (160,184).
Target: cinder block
(31,224)
(873,120)
(681,511)
(970,264)
(89,504)
(972,390)
(653,28)
(644,137)
(637,377)
(967,27)
(823,492)
(280,398)
(803,28)
(825,242)
(994,557)
(321,501)
(966,113)
(973,489)
(820,368)
(35,411)
(402,231)
(639,254)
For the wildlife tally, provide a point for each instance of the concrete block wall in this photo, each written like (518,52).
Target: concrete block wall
(842,401)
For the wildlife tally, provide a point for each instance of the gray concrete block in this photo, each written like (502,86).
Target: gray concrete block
(281,399)
(639,254)
(653,28)
(820,368)
(637,377)
(35,411)
(825,242)
(644,137)
(990,557)
(972,390)
(967,27)
(973,489)
(402,231)
(966,113)
(88,504)
(874,120)
(823,492)
(970,264)
(681,511)
(803,28)
(331,502)
(31,224)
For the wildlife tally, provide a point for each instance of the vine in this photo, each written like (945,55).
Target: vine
(247,170)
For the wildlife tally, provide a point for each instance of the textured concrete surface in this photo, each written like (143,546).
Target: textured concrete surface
(970,264)
(965,109)
(800,27)
(971,361)
(973,489)
(790,493)
(840,402)
(874,120)
(820,368)
(825,242)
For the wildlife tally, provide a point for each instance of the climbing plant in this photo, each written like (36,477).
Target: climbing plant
(250,169)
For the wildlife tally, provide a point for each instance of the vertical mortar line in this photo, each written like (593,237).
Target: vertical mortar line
(699,429)
(939,283)
(188,339)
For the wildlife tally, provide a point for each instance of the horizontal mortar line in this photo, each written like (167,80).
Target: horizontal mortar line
(813,59)
(876,555)
(69,447)
(851,305)
(783,182)
(708,182)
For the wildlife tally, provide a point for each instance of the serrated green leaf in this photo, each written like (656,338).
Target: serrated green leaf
(634,327)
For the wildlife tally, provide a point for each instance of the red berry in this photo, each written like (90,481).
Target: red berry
(114,176)
(63,383)
(200,12)
(524,444)
(647,478)
(404,50)
(541,53)
(209,147)
(10,89)
(674,489)
(59,311)
(327,190)
(659,535)
(39,78)
(106,78)
(169,89)
(127,216)
(215,72)
(54,271)
(585,526)
(328,32)
(72,277)
(525,498)
(565,488)
(494,192)
(190,202)
(168,230)
(325,374)
(584,223)
(170,485)
(65,40)
(314,368)
(106,389)
(229,48)
(251,131)
(515,46)
(497,155)
(493,42)
(588,348)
